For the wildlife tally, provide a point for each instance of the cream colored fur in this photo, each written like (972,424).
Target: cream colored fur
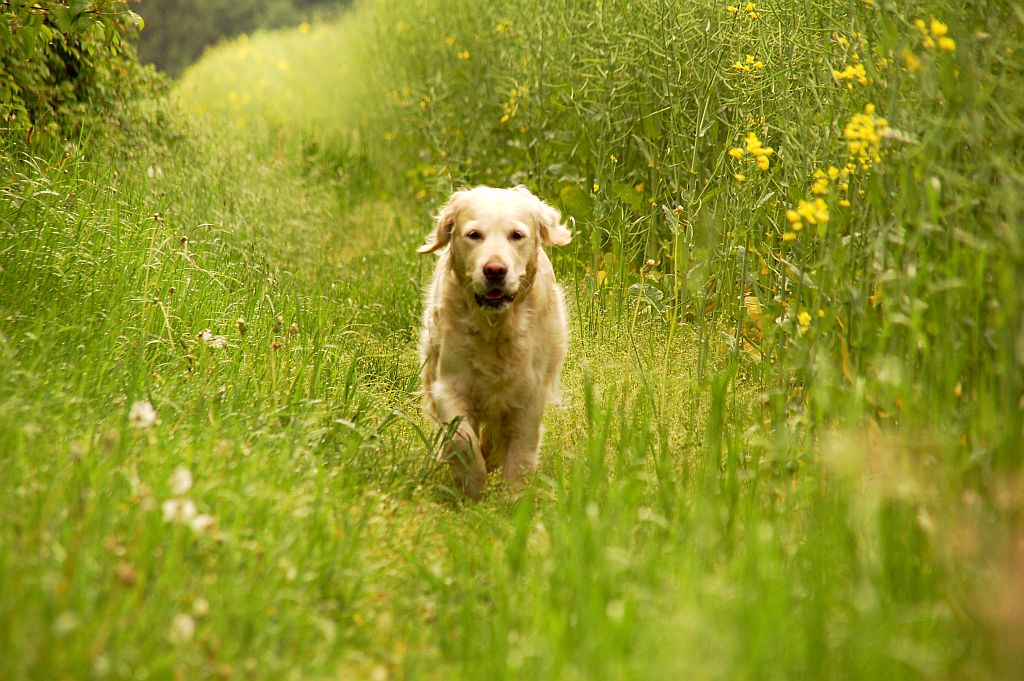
(492,353)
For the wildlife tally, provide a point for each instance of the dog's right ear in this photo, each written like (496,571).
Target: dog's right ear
(445,223)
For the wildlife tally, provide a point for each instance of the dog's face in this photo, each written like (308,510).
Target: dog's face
(494,236)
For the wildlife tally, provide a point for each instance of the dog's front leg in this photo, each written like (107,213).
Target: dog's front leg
(523,433)
(462,453)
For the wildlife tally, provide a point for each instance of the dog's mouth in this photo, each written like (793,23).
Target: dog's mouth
(495,299)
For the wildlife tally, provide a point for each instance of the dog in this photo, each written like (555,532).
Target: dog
(495,331)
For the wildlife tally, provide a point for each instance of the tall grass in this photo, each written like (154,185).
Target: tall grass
(783,452)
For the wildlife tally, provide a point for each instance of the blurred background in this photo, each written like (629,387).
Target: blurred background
(177,31)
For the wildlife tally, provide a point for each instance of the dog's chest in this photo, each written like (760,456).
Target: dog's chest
(497,373)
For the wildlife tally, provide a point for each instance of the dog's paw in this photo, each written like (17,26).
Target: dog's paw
(473,482)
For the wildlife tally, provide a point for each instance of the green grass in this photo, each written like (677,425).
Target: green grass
(730,489)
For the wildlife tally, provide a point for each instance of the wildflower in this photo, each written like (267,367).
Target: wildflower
(833,172)
(947,44)
(304,27)
(863,133)
(425,101)
(614,158)
(820,187)
(183,628)
(463,55)
(939,29)
(815,212)
(181,481)
(845,203)
(788,236)
(854,73)
(732,10)
(812,212)
(804,319)
(217,342)
(142,414)
(179,510)
(449,40)
(504,26)
(736,152)
(200,607)
(596,187)
(740,177)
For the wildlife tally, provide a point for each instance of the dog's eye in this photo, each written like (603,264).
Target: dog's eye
(474,235)
(518,236)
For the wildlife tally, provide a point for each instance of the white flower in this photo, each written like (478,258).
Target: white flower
(180,510)
(217,342)
(201,607)
(202,522)
(181,481)
(142,414)
(183,628)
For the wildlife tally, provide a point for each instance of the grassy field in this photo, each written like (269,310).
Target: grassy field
(792,432)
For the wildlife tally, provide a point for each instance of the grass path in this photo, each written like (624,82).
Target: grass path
(279,513)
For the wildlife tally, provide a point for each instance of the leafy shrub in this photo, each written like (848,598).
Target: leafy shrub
(55,56)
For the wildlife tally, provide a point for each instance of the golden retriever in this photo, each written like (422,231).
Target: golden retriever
(494,330)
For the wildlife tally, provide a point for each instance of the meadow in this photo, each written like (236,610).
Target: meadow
(791,437)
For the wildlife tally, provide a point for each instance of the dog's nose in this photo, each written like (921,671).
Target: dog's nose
(495,271)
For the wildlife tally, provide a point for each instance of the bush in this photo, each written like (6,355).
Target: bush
(56,56)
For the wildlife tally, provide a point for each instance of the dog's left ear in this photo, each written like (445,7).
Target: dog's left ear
(549,221)
(444,224)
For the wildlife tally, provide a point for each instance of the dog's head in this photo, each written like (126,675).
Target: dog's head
(494,236)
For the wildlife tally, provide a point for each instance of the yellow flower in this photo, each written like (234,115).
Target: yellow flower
(614,158)
(939,29)
(788,236)
(639,187)
(820,186)
(463,55)
(736,152)
(792,216)
(732,10)
(597,187)
(804,319)
(863,133)
(833,172)
(762,161)
(814,212)
(740,177)
(750,7)
(845,203)
(947,44)
(449,40)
